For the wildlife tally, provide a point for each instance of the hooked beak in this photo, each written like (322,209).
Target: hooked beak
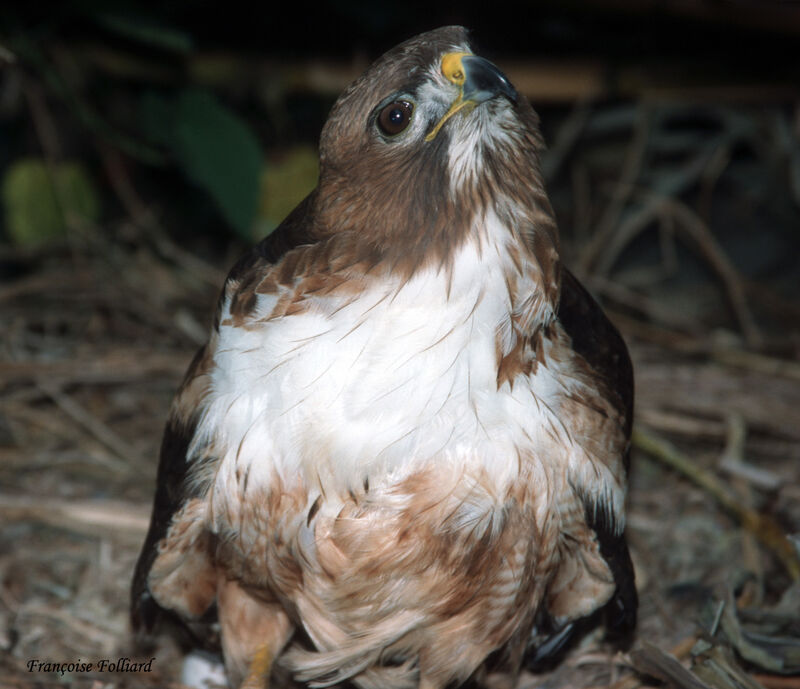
(478,80)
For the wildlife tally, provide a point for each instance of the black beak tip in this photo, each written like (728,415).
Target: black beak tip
(485,81)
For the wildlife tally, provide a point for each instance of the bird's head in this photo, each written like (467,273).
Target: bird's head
(426,142)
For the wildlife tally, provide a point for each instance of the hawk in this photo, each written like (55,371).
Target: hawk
(401,455)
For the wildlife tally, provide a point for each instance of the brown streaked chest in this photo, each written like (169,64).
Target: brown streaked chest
(440,543)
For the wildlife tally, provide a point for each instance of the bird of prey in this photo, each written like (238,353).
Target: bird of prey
(402,453)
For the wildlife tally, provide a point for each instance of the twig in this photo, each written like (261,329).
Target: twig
(714,254)
(716,166)
(651,660)
(631,167)
(609,248)
(50,144)
(652,308)
(717,618)
(761,478)
(624,233)
(765,529)
(751,651)
(698,231)
(757,362)
(92,424)
(733,456)
(146,220)
(86,516)
(33,284)
(716,665)
(777,682)
(733,461)
(769,404)
(565,140)
(81,628)
(120,366)
(582,202)
(30,52)
(681,424)
(659,335)
(695,427)
(680,650)
(666,242)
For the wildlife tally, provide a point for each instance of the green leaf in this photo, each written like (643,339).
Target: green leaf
(147,32)
(286,181)
(37,205)
(76,193)
(215,148)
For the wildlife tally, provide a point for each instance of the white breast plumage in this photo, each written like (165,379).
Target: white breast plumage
(374,386)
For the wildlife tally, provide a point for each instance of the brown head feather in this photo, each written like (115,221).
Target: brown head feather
(398,198)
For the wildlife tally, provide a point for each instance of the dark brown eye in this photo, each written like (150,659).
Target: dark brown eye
(394,118)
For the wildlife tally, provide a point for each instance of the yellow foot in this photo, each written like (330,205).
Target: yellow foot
(260,666)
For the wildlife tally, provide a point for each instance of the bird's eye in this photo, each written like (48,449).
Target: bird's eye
(394,118)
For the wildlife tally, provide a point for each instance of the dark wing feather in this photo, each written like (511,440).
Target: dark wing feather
(599,343)
(596,339)
(172,471)
(173,467)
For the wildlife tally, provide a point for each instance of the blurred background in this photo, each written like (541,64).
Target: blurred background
(144,148)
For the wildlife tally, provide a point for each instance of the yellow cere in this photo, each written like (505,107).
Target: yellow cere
(453,71)
(452,68)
